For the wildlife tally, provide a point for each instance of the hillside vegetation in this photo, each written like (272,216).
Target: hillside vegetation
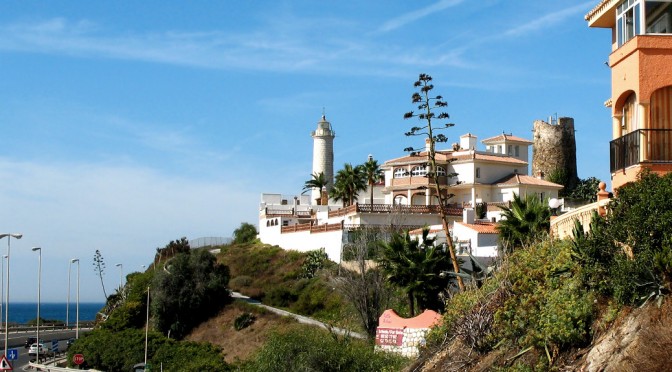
(597,302)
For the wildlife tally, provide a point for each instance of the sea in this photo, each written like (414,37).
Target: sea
(23,312)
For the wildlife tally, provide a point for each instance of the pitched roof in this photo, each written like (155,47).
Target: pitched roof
(491,157)
(506,137)
(433,229)
(481,227)
(447,155)
(521,179)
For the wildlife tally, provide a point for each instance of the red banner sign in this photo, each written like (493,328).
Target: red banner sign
(389,336)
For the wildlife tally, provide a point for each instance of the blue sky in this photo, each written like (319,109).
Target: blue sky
(129,124)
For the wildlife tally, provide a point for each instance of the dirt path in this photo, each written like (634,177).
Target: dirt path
(299,318)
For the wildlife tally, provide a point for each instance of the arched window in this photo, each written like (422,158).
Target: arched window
(418,199)
(400,173)
(268,223)
(629,120)
(419,171)
(400,200)
(440,171)
(659,141)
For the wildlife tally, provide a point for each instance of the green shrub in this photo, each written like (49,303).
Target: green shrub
(627,256)
(279,297)
(315,260)
(243,321)
(547,306)
(313,349)
(119,350)
(240,282)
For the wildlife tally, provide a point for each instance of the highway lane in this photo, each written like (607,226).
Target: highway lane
(17,341)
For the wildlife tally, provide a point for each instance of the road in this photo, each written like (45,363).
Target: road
(17,341)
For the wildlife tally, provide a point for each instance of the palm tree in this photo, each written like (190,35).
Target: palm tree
(317,181)
(338,193)
(348,182)
(373,175)
(416,266)
(524,221)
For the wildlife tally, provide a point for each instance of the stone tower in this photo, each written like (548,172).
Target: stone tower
(554,150)
(323,154)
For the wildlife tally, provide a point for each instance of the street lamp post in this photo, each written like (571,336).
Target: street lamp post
(39,285)
(121,275)
(9,239)
(2,290)
(77,316)
(146,327)
(67,304)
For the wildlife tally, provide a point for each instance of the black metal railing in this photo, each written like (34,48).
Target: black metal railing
(641,146)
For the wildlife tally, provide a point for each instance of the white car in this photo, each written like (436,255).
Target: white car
(33,349)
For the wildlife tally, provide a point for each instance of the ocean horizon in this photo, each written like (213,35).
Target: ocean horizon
(23,312)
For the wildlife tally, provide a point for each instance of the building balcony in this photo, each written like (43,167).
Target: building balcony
(643,146)
(451,210)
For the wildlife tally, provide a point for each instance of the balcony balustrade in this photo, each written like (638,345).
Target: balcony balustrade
(641,146)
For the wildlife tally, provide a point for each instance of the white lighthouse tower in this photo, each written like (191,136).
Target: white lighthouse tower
(323,154)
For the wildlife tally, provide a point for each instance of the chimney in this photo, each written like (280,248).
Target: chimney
(540,175)
(468,142)
(428,143)
(468,215)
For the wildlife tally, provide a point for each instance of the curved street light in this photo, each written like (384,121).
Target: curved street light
(9,239)
(77,321)
(39,284)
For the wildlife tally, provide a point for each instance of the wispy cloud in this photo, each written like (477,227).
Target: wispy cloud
(548,20)
(413,16)
(214,49)
(278,47)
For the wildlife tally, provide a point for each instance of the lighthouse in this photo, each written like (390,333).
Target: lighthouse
(323,154)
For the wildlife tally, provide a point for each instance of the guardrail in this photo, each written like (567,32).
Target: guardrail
(28,328)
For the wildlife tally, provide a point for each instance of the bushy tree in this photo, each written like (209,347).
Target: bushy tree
(586,189)
(119,350)
(246,233)
(628,255)
(129,312)
(171,249)
(189,289)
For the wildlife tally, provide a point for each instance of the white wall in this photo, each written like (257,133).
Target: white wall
(304,241)
(482,245)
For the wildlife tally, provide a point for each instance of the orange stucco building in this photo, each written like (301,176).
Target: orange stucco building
(641,85)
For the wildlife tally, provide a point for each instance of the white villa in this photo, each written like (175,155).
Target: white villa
(485,179)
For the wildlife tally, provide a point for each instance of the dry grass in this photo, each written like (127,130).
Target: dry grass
(238,345)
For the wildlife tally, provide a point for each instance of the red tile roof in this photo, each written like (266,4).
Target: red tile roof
(447,155)
(506,137)
(520,179)
(482,227)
